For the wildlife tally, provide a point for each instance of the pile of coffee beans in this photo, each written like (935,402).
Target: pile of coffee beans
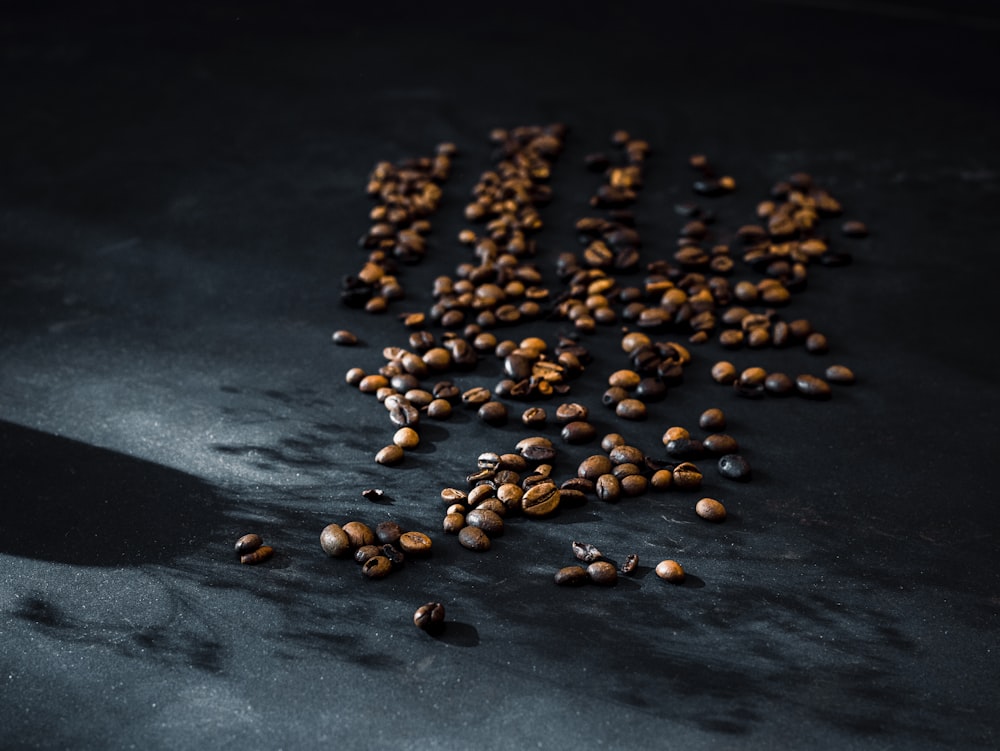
(379,551)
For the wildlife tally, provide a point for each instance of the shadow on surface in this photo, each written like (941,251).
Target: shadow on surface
(68,502)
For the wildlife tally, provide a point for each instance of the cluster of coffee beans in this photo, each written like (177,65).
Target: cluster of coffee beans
(754,382)
(407,193)
(250,549)
(532,371)
(500,287)
(681,445)
(380,551)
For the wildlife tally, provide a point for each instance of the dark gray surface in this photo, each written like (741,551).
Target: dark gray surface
(182,193)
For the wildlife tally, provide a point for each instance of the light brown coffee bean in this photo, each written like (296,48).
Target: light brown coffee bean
(608,488)
(710,509)
(389,455)
(671,571)
(415,543)
(259,555)
(840,374)
(541,499)
(686,476)
(335,541)
(594,466)
(406,438)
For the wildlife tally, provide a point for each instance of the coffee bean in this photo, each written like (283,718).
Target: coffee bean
(541,499)
(359,533)
(453,495)
(493,413)
(439,409)
(372,383)
(734,467)
(586,552)
(812,387)
(388,532)
(533,416)
(453,523)
(779,384)
(476,396)
(571,412)
(259,555)
(594,466)
(536,449)
(624,454)
(686,476)
(631,409)
(394,554)
(389,455)
(429,617)
(335,541)
(344,338)
(626,379)
(354,376)
(248,544)
(661,479)
(651,390)
(614,396)
(710,509)
(376,567)
(488,521)
(608,488)
(578,432)
(712,419)
(753,376)
(854,228)
(602,573)
(685,448)
(365,552)
(670,571)
(415,543)
(724,372)
(817,343)
(632,485)
(406,438)
(474,538)
(609,441)
(675,433)
(720,443)
(571,576)
(630,564)
(840,374)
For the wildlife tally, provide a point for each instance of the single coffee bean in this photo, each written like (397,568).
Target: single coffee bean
(631,409)
(710,509)
(586,552)
(510,495)
(686,476)
(817,344)
(625,454)
(354,376)
(494,505)
(453,523)
(854,228)
(453,495)
(476,396)
(713,419)
(439,409)
(570,412)
(359,533)
(536,449)
(779,384)
(582,484)
(376,567)
(613,396)
(670,571)
(734,467)
(488,521)
(259,555)
(724,372)
(651,390)
(675,433)
(840,374)
(541,499)
(334,541)
(366,552)
(578,432)
(720,443)
(633,485)
(372,383)
(394,554)
(406,438)
(474,538)
(493,413)
(608,488)
(812,387)
(429,617)
(748,391)
(685,448)
(630,564)
(594,466)
(415,543)
(611,440)
(626,379)
(661,479)
(248,544)
(571,576)
(534,416)
(388,532)
(389,455)
(602,573)
(753,376)
(344,338)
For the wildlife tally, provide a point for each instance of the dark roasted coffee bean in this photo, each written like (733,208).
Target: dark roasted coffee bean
(749,391)
(335,541)
(603,573)
(488,521)
(613,396)
(474,538)
(720,443)
(633,485)
(586,552)
(429,617)
(734,467)
(710,509)
(572,411)
(476,396)
(670,571)
(724,372)
(712,419)
(686,476)
(536,449)
(630,564)
(685,448)
(344,338)
(578,432)
(624,454)
(608,488)
(541,499)
(571,576)
(493,413)
(840,374)
(594,466)
(394,554)
(779,384)
(651,390)
(446,390)
(388,532)
(817,343)
(812,387)
(631,409)
(377,567)
(534,416)
(366,552)
(259,555)
(248,544)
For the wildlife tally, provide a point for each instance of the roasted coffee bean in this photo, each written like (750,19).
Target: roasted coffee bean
(752,376)
(248,544)
(624,454)
(670,571)
(493,504)
(365,552)
(415,543)
(439,409)
(354,376)
(633,485)
(630,564)
(720,443)
(476,396)
(358,533)
(389,455)
(335,541)
(583,484)
(686,476)
(429,617)
(453,495)
(685,448)
(388,532)
(626,379)
(344,338)
(817,344)
(594,466)
(372,383)
(493,413)
(854,228)
(602,573)
(710,509)
(661,479)
(376,567)
(779,384)
(651,390)
(571,498)
(724,372)
(614,396)
(840,374)
(513,462)
(536,449)
(586,552)
(533,416)
(675,433)
(480,493)
(748,391)
(734,467)
(624,470)
(608,488)
(474,538)
(446,390)
(488,521)
(609,441)
(541,499)
(712,419)
(394,554)
(406,438)
(812,387)
(571,576)
(578,432)
(453,523)
(631,409)
(510,495)
(570,412)
(259,555)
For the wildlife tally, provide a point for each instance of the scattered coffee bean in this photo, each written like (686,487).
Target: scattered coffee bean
(259,555)
(474,538)
(779,384)
(594,466)
(453,523)
(854,228)
(536,449)
(661,479)
(685,448)
(344,338)
(493,413)
(389,455)
(734,467)
(724,372)
(611,440)
(415,543)
(578,432)
(686,476)
(840,374)
(429,617)
(388,532)
(586,552)
(817,343)
(376,567)
(631,409)
(394,554)
(488,521)
(720,443)
(358,533)
(571,412)
(608,488)
(713,419)
(534,416)
(670,571)
(633,486)
(710,509)
(630,564)
(406,438)
(602,573)
(365,552)
(335,541)
(248,544)
(354,376)
(571,576)
(812,387)
(541,499)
